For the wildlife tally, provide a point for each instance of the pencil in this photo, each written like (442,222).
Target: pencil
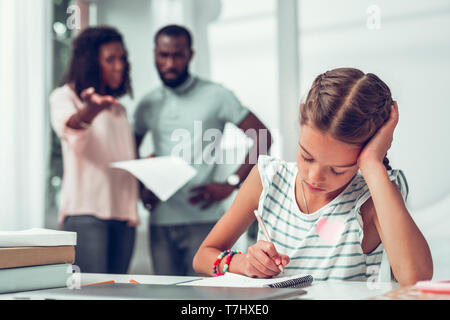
(95,284)
(266,234)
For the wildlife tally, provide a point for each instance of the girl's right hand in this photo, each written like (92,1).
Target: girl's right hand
(262,260)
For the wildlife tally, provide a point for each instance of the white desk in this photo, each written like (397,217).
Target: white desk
(347,290)
(89,278)
(326,290)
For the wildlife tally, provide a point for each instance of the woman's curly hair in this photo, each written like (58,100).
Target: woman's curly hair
(84,66)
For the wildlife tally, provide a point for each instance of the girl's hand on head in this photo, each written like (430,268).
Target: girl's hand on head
(262,260)
(378,146)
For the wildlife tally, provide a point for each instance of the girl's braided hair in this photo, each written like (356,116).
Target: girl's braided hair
(348,104)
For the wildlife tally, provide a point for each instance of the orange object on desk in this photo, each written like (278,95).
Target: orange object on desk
(411,293)
(94,284)
(434,286)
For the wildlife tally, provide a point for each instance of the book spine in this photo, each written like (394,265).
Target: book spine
(34,256)
(34,278)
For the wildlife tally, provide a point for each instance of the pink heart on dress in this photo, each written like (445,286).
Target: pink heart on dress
(330,230)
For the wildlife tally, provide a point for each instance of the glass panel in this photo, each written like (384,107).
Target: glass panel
(62,36)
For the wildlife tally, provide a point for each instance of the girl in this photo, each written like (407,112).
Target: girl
(98,202)
(324,217)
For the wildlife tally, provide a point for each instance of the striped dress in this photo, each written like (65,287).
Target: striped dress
(325,243)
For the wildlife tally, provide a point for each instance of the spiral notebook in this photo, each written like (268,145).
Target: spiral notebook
(235,280)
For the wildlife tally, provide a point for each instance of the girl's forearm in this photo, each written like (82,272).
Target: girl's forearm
(204,259)
(407,249)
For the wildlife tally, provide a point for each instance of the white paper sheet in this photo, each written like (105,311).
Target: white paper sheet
(236,280)
(162,175)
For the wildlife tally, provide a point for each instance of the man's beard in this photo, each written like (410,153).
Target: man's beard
(173,83)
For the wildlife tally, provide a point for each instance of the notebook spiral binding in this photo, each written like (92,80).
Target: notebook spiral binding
(293,283)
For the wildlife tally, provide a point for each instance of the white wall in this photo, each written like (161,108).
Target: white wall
(243,56)
(411,53)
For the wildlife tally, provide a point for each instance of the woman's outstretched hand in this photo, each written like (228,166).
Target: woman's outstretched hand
(96,100)
(94,104)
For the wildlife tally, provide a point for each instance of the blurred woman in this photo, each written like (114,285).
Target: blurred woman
(98,202)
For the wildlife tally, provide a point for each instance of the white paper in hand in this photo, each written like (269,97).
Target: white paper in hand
(162,175)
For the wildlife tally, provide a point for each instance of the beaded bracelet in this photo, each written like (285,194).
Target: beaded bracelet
(230,254)
(216,263)
(227,262)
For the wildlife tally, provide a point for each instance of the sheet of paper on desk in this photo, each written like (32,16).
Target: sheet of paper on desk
(162,175)
(235,280)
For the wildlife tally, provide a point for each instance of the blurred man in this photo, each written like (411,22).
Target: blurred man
(178,113)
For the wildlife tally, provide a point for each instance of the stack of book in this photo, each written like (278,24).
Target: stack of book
(35,259)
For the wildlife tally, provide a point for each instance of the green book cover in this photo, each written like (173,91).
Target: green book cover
(34,278)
